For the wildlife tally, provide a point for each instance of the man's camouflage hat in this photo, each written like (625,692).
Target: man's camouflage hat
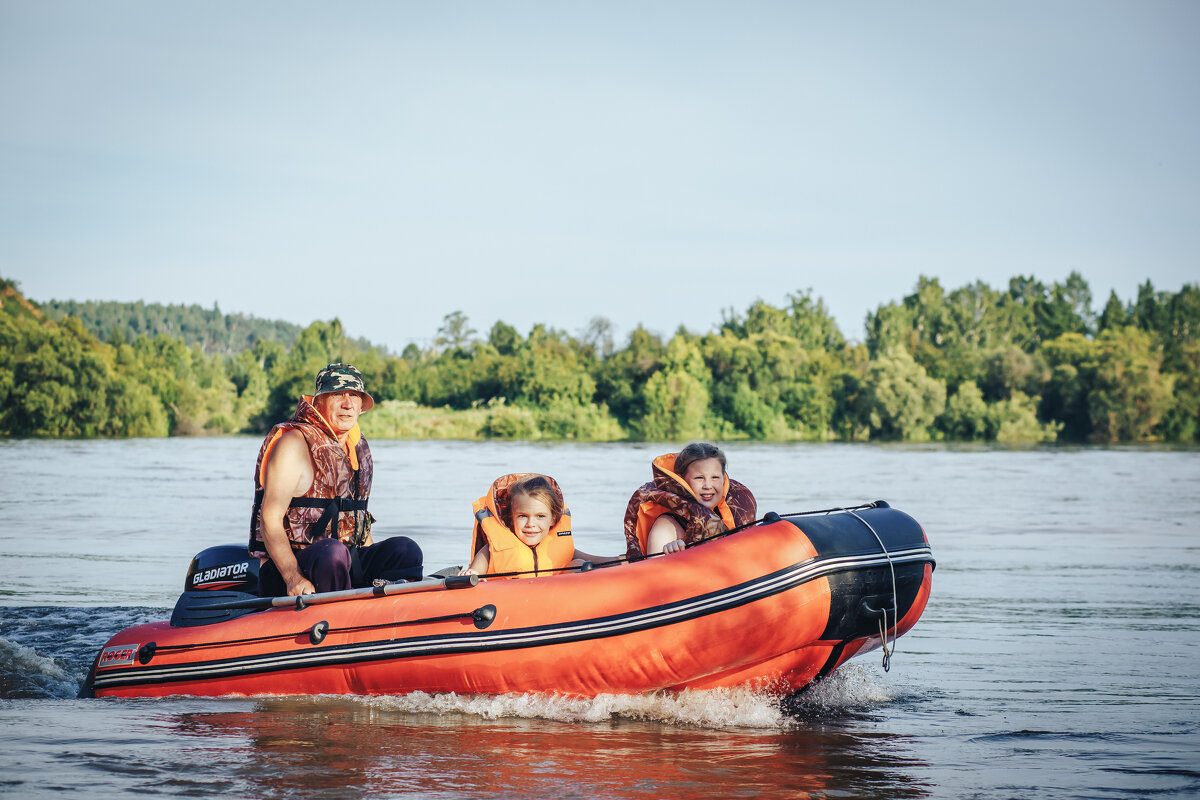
(342,378)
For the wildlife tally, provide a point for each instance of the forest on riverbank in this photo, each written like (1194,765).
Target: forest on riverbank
(1031,362)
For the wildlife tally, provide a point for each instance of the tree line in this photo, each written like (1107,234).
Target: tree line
(1031,362)
(214,332)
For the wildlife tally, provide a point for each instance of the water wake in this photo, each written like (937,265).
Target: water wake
(24,674)
(853,687)
(850,688)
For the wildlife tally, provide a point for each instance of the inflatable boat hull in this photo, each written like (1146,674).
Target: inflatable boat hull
(775,606)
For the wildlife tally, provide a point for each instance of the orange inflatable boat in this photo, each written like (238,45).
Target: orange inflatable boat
(775,605)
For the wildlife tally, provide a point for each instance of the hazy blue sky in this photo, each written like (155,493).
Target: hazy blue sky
(654,162)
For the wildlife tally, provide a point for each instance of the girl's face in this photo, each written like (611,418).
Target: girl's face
(532,519)
(706,477)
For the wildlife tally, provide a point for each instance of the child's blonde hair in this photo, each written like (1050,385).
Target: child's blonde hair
(539,488)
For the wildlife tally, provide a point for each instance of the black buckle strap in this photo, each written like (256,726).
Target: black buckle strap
(333,509)
(340,503)
(326,523)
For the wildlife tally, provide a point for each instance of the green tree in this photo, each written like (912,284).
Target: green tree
(676,404)
(550,372)
(1014,419)
(1007,370)
(1149,311)
(1182,327)
(621,379)
(1130,395)
(597,338)
(900,401)
(1071,358)
(455,332)
(1181,422)
(966,415)
(1114,314)
(60,381)
(948,334)
(1067,308)
(676,396)
(504,338)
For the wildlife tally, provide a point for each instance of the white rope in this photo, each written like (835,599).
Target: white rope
(883,626)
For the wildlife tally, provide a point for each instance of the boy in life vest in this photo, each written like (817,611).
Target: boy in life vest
(690,499)
(523,526)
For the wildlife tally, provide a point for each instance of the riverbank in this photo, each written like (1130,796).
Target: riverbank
(401,419)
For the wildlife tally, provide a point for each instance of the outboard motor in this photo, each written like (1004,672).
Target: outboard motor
(227,567)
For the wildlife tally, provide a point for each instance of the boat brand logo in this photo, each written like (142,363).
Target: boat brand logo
(117,656)
(218,573)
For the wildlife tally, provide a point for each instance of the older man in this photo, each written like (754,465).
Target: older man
(310,524)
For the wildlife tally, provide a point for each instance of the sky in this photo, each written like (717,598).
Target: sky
(655,163)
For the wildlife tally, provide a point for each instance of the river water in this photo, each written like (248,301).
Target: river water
(1059,655)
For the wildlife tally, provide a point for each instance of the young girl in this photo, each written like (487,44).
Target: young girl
(523,525)
(690,499)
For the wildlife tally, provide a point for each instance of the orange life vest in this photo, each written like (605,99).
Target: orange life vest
(507,553)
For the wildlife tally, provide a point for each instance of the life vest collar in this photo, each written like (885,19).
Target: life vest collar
(351,439)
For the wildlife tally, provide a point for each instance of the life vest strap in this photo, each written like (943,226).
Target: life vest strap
(342,503)
(333,507)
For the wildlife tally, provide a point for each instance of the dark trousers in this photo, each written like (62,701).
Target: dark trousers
(332,566)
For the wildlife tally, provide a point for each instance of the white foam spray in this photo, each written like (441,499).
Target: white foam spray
(851,687)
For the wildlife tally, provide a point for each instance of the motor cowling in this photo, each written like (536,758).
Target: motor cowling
(227,567)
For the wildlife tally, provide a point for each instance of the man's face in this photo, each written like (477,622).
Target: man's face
(340,409)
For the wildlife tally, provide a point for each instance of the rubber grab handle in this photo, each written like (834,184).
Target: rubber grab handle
(462,581)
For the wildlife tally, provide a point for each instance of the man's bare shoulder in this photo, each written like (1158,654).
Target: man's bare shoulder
(290,447)
(289,469)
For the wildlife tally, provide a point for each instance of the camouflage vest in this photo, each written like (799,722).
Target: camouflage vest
(336,502)
(669,494)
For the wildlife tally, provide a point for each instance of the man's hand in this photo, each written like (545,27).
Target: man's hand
(298,584)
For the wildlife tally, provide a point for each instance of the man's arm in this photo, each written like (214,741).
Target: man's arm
(289,474)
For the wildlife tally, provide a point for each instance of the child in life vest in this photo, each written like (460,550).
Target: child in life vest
(522,525)
(690,499)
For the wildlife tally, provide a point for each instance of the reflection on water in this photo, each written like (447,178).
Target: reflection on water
(342,748)
(447,746)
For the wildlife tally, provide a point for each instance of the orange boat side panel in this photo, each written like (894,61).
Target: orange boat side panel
(728,612)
